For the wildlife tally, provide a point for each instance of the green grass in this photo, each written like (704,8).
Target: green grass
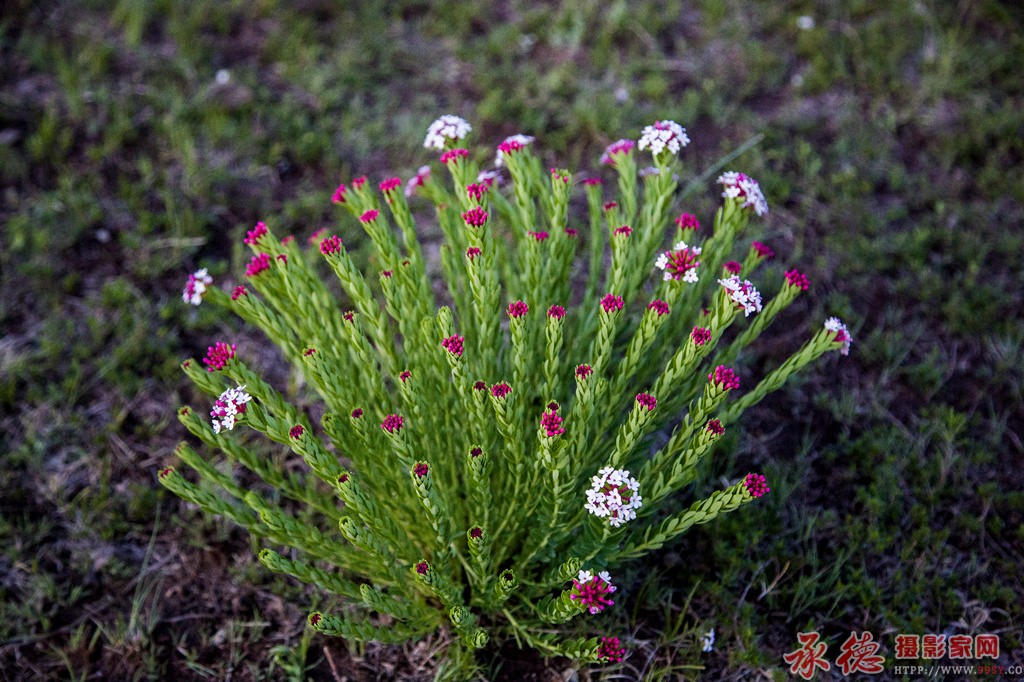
(891,139)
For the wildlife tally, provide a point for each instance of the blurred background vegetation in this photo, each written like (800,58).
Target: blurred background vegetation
(140,138)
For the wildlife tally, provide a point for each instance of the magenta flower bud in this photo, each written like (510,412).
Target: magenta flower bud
(583,371)
(339,195)
(646,400)
(476,532)
(556,311)
(659,306)
(422,567)
(552,423)
(309,351)
(480,386)
(615,149)
(700,335)
(472,252)
(724,378)
(218,355)
(453,154)
(517,309)
(256,233)
(369,216)
(611,303)
(688,221)
(623,231)
(538,236)
(475,217)
(239,292)
(732,267)
(453,344)
(405,375)
(591,182)
(763,250)
(610,205)
(421,469)
(756,484)
(359,182)
(795,278)
(258,264)
(357,413)
(500,390)
(572,232)
(715,427)
(476,191)
(390,185)
(610,650)
(331,245)
(393,423)
(296,432)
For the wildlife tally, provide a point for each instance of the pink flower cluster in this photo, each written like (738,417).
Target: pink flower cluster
(256,233)
(688,221)
(795,278)
(763,250)
(258,264)
(500,390)
(592,591)
(724,378)
(700,335)
(539,236)
(556,312)
(611,303)
(623,231)
(610,650)
(369,216)
(331,245)
(583,371)
(453,344)
(663,135)
(515,143)
(659,306)
(551,422)
(218,355)
(404,375)
(476,191)
(420,469)
(390,185)
(614,495)
(296,432)
(715,427)
(392,423)
(339,195)
(453,155)
(646,400)
(475,217)
(756,484)
(472,252)
(517,309)
(238,292)
(680,263)
(732,267)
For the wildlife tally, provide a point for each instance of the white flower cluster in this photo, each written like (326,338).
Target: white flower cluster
(227,407)
(743,294)
(662,135)
(614,495)
(835,325)
(446,128)
(743,186)
(518,138)
(195,287)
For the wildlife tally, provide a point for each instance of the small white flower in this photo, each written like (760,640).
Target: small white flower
(805,23)
(417,180)
(227,407)
(446,128)
(584,576)
(663,135)
(195,287)
(707,642)
(607,578)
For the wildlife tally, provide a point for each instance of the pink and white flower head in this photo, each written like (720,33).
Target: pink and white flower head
(592,592)
(511,144)
(416,181)
(663,135)
(680,263)
(743,294)
(445,129)
(843,336)
(741,186)
(195,287)
(227,407)
(488,177)
(614,149)
(614,495)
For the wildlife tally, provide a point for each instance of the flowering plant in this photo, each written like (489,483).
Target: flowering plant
(488,465)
